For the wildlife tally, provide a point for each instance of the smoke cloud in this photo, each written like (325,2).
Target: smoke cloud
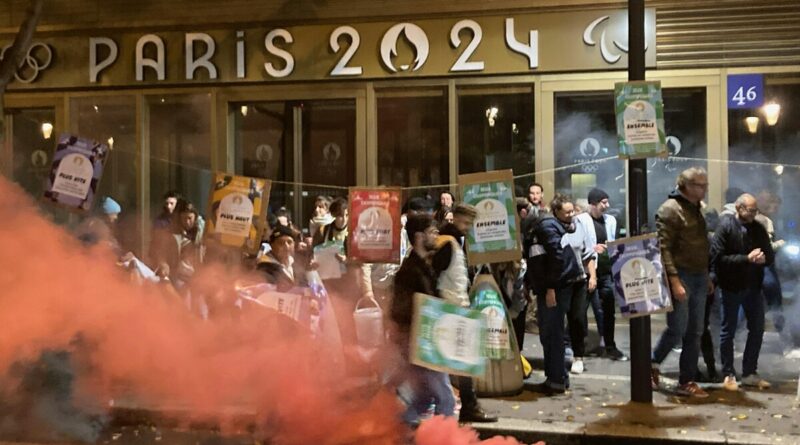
(79,338)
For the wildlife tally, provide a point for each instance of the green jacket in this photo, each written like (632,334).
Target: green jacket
(682,233)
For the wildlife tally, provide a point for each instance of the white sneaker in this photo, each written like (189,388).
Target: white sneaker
(730,384)
(755,381)
(577,366)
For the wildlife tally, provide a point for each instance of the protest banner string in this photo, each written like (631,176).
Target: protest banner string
(516,177)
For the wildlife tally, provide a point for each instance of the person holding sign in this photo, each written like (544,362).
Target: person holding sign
(684,251)
(450,264)
(416,275)
(740,251)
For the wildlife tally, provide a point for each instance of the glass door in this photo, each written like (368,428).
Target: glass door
(32,127)
(586,148)
(306,147)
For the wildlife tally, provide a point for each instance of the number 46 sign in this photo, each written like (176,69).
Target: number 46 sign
(745,91)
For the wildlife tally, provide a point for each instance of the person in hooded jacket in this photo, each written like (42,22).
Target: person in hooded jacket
(556,274)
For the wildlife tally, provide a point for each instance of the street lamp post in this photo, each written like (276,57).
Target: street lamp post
(641,390)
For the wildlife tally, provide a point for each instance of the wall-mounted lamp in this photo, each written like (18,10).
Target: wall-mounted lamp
(110,143)
(47,130)
(752,124)
(779,169)
(772,111)
(491,115)
(244,110)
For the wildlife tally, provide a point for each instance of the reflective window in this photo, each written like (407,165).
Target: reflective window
(495,132)
(587,147)
(413,140)
(180,148)
(298,142)
(33,144)
(112,120)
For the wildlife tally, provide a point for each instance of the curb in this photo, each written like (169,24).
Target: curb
(571,433)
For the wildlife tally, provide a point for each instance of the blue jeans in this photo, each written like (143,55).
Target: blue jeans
(551,335)
(753,304)
(426,387)
(685,325)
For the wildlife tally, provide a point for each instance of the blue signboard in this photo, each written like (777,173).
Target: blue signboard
(745,91)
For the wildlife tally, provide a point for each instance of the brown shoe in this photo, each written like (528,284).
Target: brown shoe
(691,389)
(655,378)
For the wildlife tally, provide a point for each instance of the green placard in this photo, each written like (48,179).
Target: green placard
(494,236)
(446,337)
(639,109)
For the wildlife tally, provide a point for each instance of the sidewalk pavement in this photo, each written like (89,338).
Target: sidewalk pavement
(598,410)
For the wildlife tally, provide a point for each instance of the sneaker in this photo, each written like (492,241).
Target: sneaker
(577,366)
(616,354)
(729,384)
(655,378)
(755,381)
(691,389)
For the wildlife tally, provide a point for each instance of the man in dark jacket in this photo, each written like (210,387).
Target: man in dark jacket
(416,274)
(740,250)
(556,273)
(684,252)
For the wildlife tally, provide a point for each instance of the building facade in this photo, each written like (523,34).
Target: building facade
(319,95)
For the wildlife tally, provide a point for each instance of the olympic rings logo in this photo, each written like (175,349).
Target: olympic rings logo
(37,59)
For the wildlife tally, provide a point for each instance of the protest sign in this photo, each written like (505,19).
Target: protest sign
(76,171)
(640,282)
(238,210)
(374,225)
(639,110)
(327,256)
(446,337)
(494,236)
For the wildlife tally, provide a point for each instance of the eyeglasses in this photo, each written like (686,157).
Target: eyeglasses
(750,210)
(702,185)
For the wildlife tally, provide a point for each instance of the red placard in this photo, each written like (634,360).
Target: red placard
(374,225)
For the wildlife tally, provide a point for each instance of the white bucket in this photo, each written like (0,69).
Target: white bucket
(369,324)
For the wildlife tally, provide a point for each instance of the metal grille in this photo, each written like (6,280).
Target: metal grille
(727,33)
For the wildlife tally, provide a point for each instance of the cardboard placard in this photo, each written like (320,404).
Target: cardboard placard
(640,282)
(494,236)
(374,225)
(75,173)
(238,210)
(639,109)
(446,337)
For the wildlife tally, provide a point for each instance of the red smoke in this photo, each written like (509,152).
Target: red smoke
(141,347)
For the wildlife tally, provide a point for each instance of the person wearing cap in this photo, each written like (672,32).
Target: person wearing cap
(278,265)
(600,229)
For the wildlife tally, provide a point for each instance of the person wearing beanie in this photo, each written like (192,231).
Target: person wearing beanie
(278,265)
(111,209)
(602,228)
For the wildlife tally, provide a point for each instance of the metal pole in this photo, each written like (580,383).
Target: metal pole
(641,391)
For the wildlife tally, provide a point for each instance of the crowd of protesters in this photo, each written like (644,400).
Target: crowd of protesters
(727,259)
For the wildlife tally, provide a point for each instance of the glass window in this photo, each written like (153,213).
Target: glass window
(765,161)
(587,147)
(329,151)
(585,139)
(33,145)
(495,132)
(413,140)
(264,138)
(112,120)
(180,148)
(319,135)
